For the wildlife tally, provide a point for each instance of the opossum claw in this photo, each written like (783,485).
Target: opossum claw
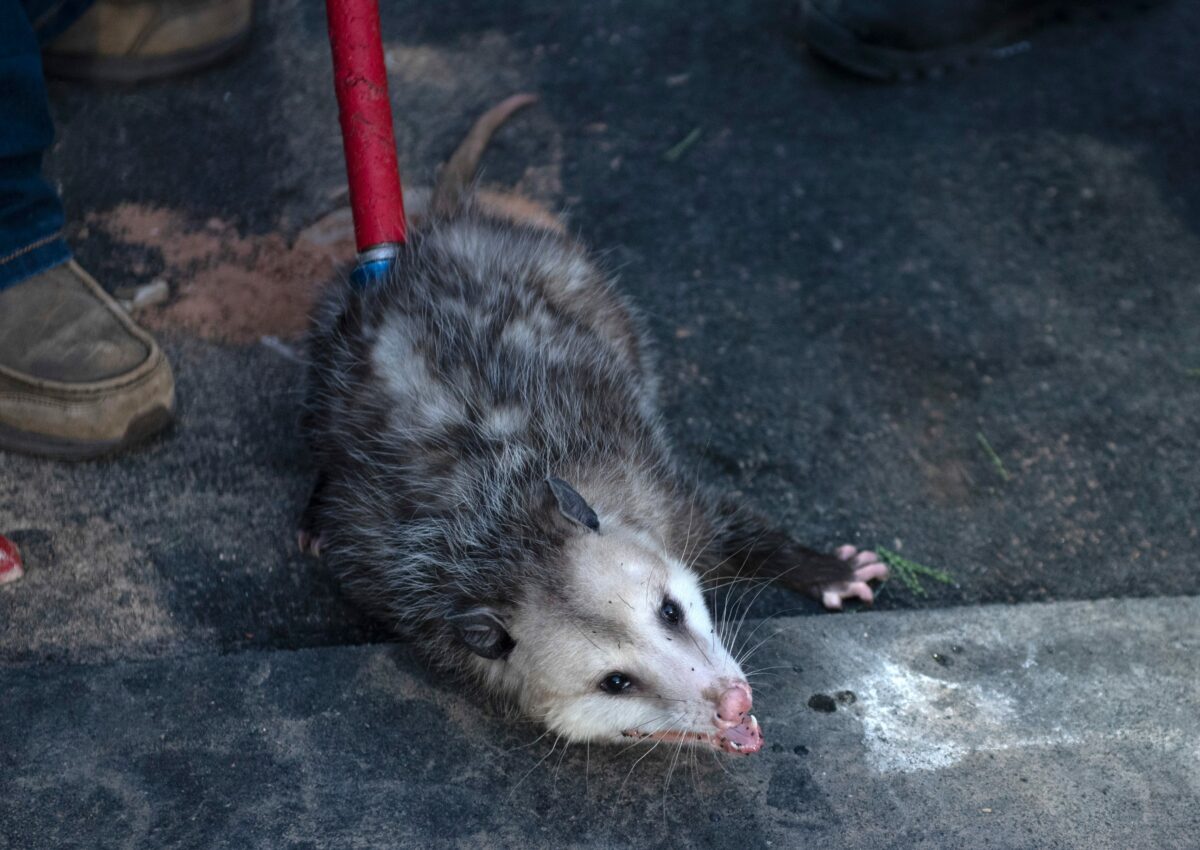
(309,543)
(867,567)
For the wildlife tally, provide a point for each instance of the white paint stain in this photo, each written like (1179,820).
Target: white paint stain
(915,722)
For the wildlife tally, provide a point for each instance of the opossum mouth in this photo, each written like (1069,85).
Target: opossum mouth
(743,739)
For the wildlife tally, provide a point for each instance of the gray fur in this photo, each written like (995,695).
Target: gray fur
(494,357)
(493,397)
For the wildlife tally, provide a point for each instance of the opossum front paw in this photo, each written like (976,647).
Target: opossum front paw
(867,567)
(309,542)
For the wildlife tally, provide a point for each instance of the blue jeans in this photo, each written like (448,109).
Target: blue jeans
(31,213)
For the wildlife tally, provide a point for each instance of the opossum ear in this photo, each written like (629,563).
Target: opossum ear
(572,505)
(483,632)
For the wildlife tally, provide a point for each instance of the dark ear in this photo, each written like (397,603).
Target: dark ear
(572,505)
(483,632)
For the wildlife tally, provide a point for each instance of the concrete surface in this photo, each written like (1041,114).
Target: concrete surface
(1070,725)
(848,284)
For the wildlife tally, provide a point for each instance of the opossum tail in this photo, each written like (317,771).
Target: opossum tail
(454,181)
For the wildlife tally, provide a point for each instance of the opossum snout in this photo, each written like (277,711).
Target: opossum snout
(739,731)
(733,705)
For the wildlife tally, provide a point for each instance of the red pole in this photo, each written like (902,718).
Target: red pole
(360,79)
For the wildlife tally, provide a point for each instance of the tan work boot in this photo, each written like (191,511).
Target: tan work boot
(78,379)
(131,41)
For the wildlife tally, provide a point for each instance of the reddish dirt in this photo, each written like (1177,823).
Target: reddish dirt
(228,287)
(237,289)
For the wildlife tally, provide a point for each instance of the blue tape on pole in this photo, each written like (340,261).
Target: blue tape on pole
(366,275)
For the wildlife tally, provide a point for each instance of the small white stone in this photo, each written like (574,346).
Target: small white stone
(155,292)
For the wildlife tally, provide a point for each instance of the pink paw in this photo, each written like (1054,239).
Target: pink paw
(309,543)
(867,567)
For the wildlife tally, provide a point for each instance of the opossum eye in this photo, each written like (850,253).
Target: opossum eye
(615,683)
(670,611)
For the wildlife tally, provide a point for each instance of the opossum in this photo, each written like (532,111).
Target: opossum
(495,482)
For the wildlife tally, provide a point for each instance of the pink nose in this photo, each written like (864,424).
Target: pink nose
(735,703)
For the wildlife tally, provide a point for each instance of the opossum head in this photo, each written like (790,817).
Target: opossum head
(620,646)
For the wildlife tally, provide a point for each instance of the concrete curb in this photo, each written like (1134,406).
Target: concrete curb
(1043,725)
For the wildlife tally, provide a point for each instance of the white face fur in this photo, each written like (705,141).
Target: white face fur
(628,649)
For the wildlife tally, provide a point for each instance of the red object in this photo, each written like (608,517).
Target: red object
(360,79)
(10,561)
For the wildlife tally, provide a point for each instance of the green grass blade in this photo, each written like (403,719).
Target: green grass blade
(910,572)
(992,456)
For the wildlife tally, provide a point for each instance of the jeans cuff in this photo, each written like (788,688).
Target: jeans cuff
(33,259)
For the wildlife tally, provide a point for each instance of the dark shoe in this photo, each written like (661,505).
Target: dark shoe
(131,41)
(78,379)
(902,39)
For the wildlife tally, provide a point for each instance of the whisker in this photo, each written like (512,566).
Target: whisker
(765,669)
(720,762)
(754,649)
(639,761)
(558,769)
(667,782)
(530,744)
(532,769)
(746,609)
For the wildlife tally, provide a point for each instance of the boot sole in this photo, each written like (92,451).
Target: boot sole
(127,70)
(140,429)
(839,45)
